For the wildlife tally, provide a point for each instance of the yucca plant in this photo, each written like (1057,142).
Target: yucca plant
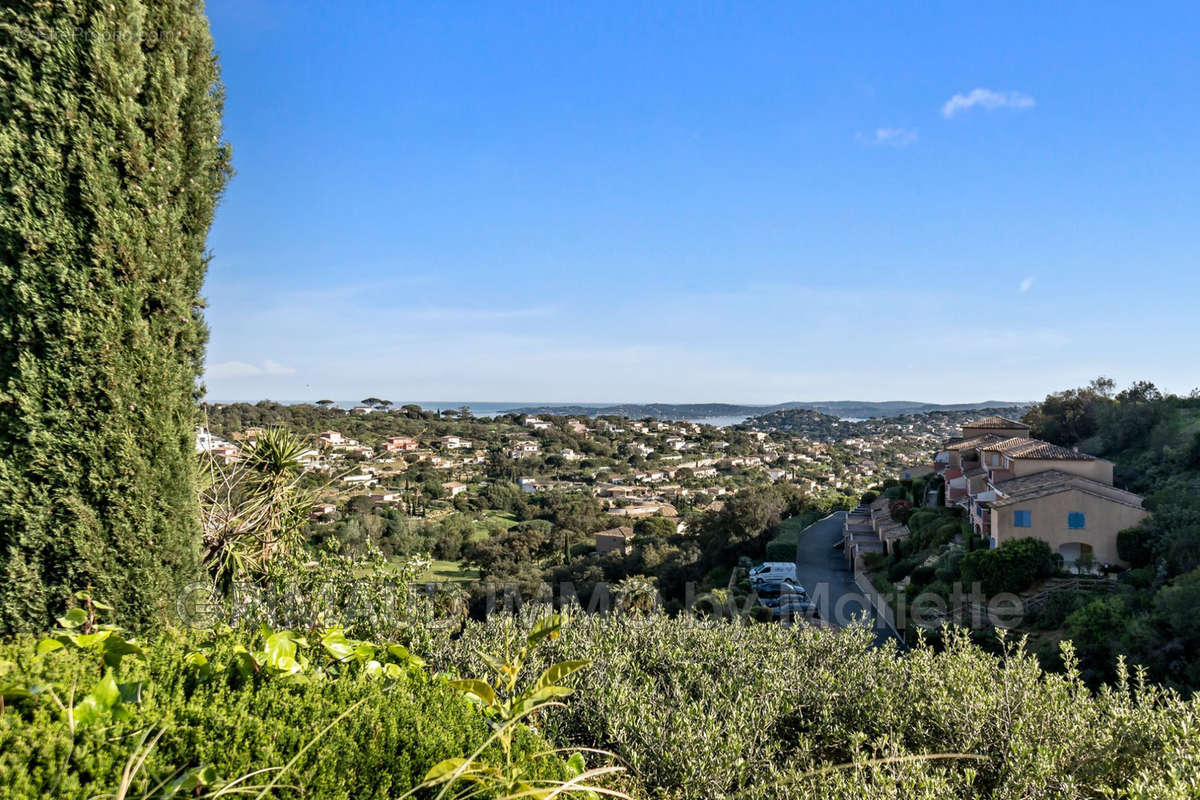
(253,508)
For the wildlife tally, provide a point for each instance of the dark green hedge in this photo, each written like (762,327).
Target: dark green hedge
(1011,567)
(384,747)
(111,163)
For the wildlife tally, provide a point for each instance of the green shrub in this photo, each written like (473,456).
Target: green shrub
(401,727)
(923,575)
(1058,606)
(930,528)
(1011,567)
(1134,545)
(899,570)
(900,510)
(1140,578)
(707,709)
(783,546)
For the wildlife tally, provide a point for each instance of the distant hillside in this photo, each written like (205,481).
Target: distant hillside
(664,411)
(819,426)
(856,409)
(894,408)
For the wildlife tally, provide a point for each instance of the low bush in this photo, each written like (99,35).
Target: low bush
(923,575)
(901,569)
(1135,546)
(206,721)
(709,709)
(1058,606)
(783,546)
(930,528)
(900,510)
(1011,567)
(782,549)
(1140,578)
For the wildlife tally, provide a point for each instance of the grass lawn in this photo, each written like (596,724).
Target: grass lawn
(489,520)
(448,572)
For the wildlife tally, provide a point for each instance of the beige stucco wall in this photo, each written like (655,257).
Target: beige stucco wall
(612,543)
(1098,470)
(1049,522)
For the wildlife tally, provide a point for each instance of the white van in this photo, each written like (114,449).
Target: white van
(773,572)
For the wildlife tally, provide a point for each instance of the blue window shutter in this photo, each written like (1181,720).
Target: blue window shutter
(1076,520)
(1022,519)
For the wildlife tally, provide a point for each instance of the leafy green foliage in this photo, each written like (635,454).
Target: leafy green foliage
(506,706)
(1011,567)
(255,509)
(706,709)
(224,712)
(1151,437)
(1134,547)
(112,163)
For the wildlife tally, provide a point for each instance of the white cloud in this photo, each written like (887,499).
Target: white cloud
(892,137)
(1026,284)
(270,367)
(232,370)
(988,99)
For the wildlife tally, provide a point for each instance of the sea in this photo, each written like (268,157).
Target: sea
(492,408)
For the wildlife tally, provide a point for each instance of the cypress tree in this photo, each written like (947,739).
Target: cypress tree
(111,164)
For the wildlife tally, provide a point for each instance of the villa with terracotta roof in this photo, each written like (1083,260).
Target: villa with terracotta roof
(995,426)
(615,540)
(1013,486)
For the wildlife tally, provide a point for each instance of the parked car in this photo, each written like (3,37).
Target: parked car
(785,598)
(773,572)
(775,589)
(795,606)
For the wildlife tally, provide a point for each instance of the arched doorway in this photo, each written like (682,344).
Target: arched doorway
(1076,554)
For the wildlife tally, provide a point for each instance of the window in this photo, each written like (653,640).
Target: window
(1076,520)
(1022,519)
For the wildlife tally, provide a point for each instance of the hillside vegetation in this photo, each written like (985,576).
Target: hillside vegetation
(1154,440)
(662,707)
(178,626)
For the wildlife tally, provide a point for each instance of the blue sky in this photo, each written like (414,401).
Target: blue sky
(708,202)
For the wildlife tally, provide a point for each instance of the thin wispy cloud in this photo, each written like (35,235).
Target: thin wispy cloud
(1026,285)
(453,314)
(987,99)
(890,137)
(231,370)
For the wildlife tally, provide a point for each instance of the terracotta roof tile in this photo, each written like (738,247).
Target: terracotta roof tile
(974,441)
(1052,481)
(1018,447)
(997,422)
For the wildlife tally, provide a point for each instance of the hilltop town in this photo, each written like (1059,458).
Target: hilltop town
(636,467)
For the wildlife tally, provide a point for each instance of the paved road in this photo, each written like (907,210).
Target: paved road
(821,569)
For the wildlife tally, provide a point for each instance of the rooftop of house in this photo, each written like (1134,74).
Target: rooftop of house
(1052,481)
(997,422)
(1035,448)
(624,532)
(960,444)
